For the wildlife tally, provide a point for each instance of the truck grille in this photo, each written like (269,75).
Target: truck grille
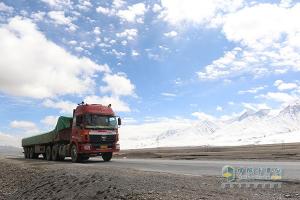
(102,139)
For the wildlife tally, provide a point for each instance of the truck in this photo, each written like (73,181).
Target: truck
(91,131)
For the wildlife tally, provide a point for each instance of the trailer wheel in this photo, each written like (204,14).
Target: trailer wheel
(107,156)
(48,153)
(31,153)
(61,152)
(55,156)
(25,153)
(74,154)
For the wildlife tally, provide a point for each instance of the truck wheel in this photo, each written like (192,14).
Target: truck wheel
(48,153)
(31,153)
(25,152)
(61,152)
(55,153)
(74,154)
(107,156)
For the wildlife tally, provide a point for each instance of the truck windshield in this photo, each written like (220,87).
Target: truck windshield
(99,121)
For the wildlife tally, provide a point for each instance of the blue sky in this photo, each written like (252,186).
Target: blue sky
(150,59)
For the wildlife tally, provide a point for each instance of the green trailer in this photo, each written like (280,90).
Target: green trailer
(63,124)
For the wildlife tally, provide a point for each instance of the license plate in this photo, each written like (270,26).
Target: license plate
(103,146)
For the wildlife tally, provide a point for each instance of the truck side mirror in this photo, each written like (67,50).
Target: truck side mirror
(119,121)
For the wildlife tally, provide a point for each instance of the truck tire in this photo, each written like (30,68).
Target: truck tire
(107,156)
(62,152)
(74,154)
(54,152)
(25,153)
(31,153)
(48,153)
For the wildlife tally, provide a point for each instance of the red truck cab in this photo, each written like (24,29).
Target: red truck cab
(94,132)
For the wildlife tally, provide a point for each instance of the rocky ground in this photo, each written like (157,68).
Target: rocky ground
(38,179)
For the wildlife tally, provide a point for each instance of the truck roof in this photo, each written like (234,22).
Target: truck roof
(94,108)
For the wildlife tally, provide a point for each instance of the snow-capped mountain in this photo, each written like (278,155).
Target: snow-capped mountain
(251,127)
(291,112)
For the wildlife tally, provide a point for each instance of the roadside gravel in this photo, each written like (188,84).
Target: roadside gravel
(37,179)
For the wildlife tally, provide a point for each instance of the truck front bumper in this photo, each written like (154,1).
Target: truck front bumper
(98,149)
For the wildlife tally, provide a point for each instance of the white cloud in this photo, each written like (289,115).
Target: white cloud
(118,54)
(134,13)
(104,11)
(72,42)
(177,12)
(171,34)
(97,30)
(168,94)
(178,82)
(285,86)
(203,116)
(6,8)
(118,3)
(117,85)
(156,8)
(231,103)
(59,18)
(220,67)
(79,49)
(64,106)
(252,90)
(25,125)
(59,4)
(117,104)
(286,3)
(53,71)
(268,35)
(280,97)
(219,108)
(130,34)
(50,120)
(135,53)
(84,5)
(38,16)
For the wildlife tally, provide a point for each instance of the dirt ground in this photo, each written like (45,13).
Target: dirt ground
(38,179)
(286,151)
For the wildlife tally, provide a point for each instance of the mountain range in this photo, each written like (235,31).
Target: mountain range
(251,127)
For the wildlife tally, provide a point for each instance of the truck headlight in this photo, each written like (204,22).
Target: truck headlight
(87,147)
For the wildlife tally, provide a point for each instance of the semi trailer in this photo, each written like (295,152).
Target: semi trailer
(92,131)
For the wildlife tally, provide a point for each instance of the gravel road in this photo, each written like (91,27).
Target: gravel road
(37,179)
